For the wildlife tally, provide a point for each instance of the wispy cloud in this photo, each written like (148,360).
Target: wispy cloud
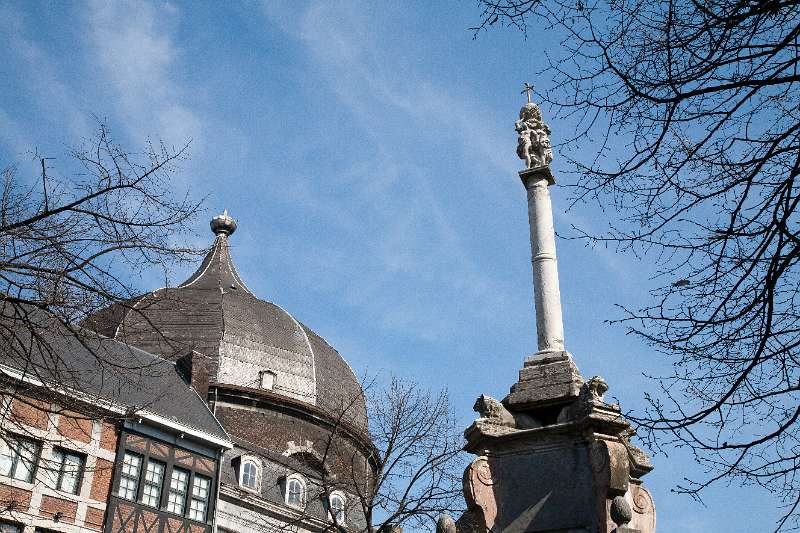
(137,65)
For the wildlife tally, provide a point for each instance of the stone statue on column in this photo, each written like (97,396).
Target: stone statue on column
(552,454)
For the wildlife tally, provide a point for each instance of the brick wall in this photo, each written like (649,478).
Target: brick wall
(101,480)
(30,412)
(21,498)
(51,505)
(75,426)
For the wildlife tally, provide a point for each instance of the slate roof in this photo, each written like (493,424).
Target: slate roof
(215,313)
(101,370)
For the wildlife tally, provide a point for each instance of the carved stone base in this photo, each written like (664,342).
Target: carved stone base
(538,472)
(546,379)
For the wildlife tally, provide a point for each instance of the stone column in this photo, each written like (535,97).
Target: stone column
(546,293)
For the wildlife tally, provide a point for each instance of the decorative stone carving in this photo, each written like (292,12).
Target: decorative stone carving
(597,387)
(493,412)
(533,142)
(445,524)
(478,492)
(621,512)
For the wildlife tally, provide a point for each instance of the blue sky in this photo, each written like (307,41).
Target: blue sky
(367,151)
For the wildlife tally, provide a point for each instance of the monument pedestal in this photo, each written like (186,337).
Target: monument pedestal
(565,464)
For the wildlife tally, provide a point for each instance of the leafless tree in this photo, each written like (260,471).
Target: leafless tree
(73,243)
(411,475)
(687,128)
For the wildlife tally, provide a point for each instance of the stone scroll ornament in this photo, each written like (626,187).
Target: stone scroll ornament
(533,141)
(478,492)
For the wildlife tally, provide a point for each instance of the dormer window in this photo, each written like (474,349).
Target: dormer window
(336,507)
(267,379)
(295,491)
(249,473)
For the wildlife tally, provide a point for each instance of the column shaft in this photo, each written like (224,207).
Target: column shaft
(546,293)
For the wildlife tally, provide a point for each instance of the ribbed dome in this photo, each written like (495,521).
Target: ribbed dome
(214,313)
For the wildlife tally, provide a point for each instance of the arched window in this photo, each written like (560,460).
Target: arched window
(295,491)
(336,507)
(249,475)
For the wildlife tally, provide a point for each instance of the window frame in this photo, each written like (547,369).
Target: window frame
(243,464)
(171,491)
(262,374)
(339,495)
(123,475)
(17,441)
(81,469)
(160,485)
(147,448)
(204,500)
(11,524)
(287,490)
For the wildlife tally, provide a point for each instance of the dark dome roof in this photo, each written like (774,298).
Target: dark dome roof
(214,313)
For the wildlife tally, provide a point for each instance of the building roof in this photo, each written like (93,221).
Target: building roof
(216,314)
(109,374)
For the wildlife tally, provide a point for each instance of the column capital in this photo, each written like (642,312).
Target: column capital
(537,172)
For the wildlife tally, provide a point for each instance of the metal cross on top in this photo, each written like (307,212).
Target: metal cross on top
(527,90)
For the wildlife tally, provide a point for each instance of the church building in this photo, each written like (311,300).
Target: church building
(258,423)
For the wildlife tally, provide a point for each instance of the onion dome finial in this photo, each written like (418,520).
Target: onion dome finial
(223,224)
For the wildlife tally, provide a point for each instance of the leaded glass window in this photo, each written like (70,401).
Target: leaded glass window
(129,476)
(153,483)
(199,501)
(178,484)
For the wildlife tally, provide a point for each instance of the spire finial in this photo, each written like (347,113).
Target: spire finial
(223,224)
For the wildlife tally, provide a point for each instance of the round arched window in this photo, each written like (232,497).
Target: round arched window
(249,477)
(295,491)
(337,507)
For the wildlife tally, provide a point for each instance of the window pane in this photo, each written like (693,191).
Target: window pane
(6,457)
(197,510)
(294,493)
(71,469)
(197,506)
(129,480)
(176,500)
(200,487)
(337,508)
(153,481)
(8,527)
(249,475)
(26,460)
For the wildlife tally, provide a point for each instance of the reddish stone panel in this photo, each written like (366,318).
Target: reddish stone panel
(30,412)
(94,518)
(148,522)
(20,498)
(50,506)
(159,450)
(174,525)
(74,426)
(101,480)
(108,437)
(204,465)
(124,519)
(136,442)
(195,528)
(184,458)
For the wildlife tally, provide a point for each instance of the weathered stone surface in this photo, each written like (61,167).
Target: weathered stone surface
(479,491)
(546,379)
